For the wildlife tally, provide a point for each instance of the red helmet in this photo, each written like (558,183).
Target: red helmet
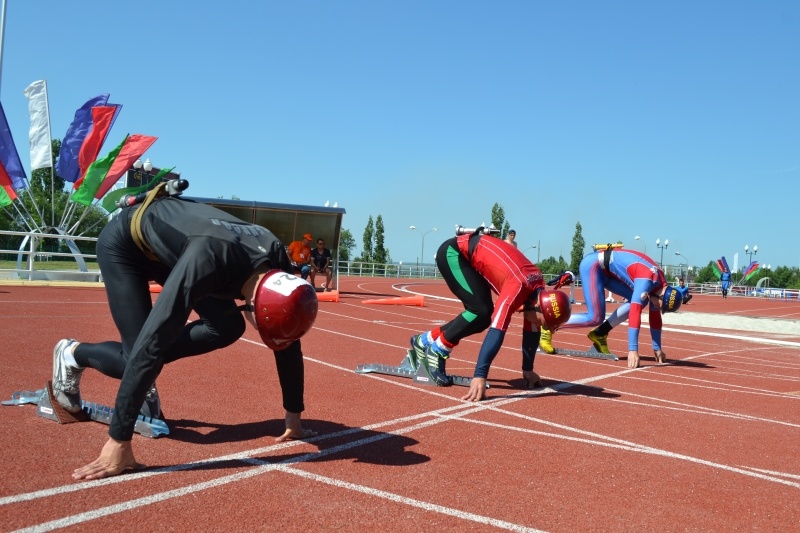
(555,307)
(285,308)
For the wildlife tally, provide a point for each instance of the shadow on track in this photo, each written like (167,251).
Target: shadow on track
(375,447)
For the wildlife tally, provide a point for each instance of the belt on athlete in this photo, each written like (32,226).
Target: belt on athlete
(136,221)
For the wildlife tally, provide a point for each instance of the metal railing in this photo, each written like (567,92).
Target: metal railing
(35,252)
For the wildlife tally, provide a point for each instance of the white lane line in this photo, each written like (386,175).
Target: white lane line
(265,467)
(242,455)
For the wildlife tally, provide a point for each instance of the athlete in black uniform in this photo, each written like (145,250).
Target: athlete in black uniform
(205,259)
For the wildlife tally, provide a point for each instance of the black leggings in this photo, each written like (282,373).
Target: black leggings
(470,287)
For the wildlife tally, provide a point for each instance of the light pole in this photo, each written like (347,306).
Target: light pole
(750,254)
(422,251)
(662,247)
(538,250)
(644,243)
(687,264)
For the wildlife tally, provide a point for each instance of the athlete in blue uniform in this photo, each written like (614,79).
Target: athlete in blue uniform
(635,277)
(725,280)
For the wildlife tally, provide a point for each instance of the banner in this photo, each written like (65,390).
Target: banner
(41,150)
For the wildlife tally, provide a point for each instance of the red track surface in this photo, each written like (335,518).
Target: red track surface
(711,443)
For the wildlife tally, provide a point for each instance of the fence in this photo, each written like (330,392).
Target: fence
(45,256)
(36,253)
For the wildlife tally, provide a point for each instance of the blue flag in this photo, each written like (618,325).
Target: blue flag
(9,157)
(67,165)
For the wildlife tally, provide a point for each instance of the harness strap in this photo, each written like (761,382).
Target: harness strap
(136,221)
(473,241)
(607,258)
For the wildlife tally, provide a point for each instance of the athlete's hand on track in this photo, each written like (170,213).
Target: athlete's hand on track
(477,390)
(115,458)
(294,429)
(633,359)
(532,379)
(661,357)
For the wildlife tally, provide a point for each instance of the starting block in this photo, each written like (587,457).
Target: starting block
(48,407)
(410,368)
(591,353)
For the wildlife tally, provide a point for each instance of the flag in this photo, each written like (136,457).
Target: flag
(750,271)
(110,200)
(111,167)
(5,199)
(41,150)
(13,175)
(67,164)
(137,145)
(103,118)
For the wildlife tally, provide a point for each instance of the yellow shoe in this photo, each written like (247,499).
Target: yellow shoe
(546,341)
(599,341)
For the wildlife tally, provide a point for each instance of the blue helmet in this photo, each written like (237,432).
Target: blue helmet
(671,301)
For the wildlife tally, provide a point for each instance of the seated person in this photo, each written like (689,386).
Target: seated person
(300,255)
(321,263)
(684,291)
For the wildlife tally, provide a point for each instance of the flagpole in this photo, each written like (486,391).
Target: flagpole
(2,37)
(52,170)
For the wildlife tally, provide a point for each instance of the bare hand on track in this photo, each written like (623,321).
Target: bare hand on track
(477,390)
(115,458)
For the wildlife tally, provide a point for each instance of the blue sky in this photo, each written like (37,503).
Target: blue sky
(673,120)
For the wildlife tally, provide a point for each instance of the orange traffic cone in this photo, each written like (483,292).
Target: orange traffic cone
(328,296)
(417,300)
(155,288)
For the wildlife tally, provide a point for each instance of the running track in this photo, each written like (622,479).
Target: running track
(710,443)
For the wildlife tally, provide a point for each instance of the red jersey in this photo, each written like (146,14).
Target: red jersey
(509,273)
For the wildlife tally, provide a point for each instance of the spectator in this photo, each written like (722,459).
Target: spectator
(321,263)
(300,255)
(510,238)
(684,291)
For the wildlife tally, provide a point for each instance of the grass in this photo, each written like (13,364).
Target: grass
(50,265)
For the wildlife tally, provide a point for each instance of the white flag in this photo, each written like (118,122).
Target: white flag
(41,153)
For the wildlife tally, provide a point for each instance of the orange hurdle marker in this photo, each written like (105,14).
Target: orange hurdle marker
(417,300)
(329,296)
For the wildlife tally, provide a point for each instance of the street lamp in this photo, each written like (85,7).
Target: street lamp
(749,253)
(538,250)
(687,263)
(645,244)
(662,247)
(141,174)
(147,165)
(422,251)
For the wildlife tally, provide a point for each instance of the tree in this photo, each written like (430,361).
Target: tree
(369,232)
(346,245)
(381,254)
(499,220)
(553,266)
(578,245)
